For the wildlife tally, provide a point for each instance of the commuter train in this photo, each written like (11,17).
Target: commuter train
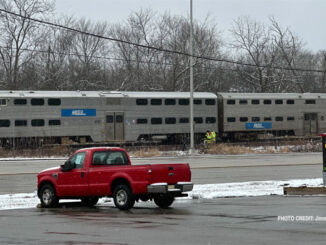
(51,117)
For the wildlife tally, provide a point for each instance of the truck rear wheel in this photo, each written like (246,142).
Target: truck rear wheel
(123,197)
(48,196)
(164,201)
(89,201)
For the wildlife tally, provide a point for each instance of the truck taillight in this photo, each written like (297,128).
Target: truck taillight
(149,174)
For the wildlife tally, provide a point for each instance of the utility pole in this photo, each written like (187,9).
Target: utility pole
(191,84)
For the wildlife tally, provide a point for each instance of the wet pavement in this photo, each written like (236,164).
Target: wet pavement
(254,220)
(220,221)
(20,176)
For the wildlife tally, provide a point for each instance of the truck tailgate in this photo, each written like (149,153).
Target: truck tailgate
(170,173)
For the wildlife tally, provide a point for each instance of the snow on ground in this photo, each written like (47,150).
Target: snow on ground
(208,191)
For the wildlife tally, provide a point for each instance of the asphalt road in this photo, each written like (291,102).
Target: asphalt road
(251,220)
(221,221)
(20,176)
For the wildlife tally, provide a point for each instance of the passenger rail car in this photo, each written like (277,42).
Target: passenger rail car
(34,117)
(242,115)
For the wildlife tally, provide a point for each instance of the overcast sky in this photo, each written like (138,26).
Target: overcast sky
(307,18)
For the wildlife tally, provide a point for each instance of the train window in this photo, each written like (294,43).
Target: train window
(322,118)
(54,122)
(118,118)
(20,101)
(230,102)
(109,119)
(184,120)
(141,121)
(290,102)
(255,102)
(210,120)
(310,102)
(3,102)
(183,101)
(267,119)
(141,102)
(290,118)
(278,102)
(20,123)
(279,119)
(306,117)
(156,101)
(243,119)
(37,101)
(38,123)
(243,102)
(170,120)
(198,120)
(4,123)
(255,119)
(156,120)
(210,101)
(230,119)
(267,102)
(54,101)
(169,101)
(197,102)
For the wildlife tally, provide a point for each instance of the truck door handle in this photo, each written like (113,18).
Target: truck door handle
(82,174)
(171,168)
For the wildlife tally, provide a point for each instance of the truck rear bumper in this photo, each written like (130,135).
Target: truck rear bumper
(166,188)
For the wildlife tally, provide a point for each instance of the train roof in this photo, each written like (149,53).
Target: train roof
(108,94)
(272,95)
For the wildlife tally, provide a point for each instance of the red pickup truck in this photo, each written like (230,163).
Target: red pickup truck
(92,173)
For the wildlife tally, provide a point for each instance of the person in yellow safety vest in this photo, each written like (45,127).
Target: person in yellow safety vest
(208,137)
(213,136)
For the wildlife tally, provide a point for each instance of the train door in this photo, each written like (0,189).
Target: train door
(114,126)
(310,124)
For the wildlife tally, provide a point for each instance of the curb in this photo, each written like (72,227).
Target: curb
(304,190)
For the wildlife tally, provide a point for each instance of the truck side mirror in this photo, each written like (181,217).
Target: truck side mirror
(68,166)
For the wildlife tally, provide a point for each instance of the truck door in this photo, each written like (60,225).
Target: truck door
(74,182)
(114,126)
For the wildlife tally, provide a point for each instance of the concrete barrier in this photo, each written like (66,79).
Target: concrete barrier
(304,190)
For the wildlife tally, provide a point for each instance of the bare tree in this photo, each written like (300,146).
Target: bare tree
(20,36)
(149,69)
(267,47)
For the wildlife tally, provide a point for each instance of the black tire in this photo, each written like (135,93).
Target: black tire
(164,201)
(123,197)
(89,201)
(48,196)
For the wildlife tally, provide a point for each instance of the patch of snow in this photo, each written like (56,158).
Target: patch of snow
(207,191)
(246,189)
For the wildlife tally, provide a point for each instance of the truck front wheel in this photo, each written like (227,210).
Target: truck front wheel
(48,196)
(123,197)
(164,201)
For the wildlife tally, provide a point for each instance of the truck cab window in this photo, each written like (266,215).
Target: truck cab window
(110,158)
(78,159)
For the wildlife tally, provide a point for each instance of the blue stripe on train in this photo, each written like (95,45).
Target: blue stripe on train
(259,125)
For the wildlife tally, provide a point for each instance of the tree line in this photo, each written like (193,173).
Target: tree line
(35,56)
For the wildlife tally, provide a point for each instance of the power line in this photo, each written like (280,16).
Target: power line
(96,57)
(117,59)
(159,49)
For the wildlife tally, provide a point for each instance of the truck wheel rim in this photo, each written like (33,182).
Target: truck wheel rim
(121,197)
(47,196)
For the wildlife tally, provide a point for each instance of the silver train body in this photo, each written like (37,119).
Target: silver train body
(244,114)
(73,116)
(34,117)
